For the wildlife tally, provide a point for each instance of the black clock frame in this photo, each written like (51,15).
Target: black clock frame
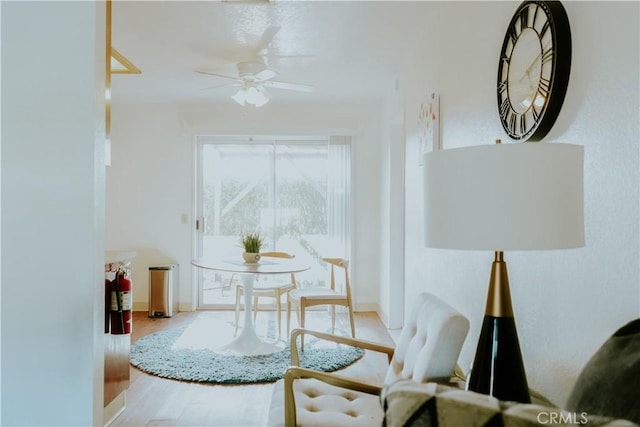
(559,79)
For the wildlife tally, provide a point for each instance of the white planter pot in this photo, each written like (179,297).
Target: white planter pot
(251,257)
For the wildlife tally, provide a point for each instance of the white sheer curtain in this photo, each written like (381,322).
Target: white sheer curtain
(339,196)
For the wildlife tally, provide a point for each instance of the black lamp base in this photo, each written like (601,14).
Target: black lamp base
(498,369)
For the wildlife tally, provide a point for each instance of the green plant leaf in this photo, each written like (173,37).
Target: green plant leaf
(252,242)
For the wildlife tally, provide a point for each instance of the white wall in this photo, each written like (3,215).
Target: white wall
(52,213)
(149,184)
(385,219)
(148,189)
(391,176)
(566,302)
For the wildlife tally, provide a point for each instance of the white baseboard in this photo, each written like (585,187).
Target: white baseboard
(114,408)
(367,306)
(394,333)
(144,306)
(140,306)
(186,307)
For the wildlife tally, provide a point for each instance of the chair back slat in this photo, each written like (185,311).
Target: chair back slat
(303,298)
(343,264)
(277,255)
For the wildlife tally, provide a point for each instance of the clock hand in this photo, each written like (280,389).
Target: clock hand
(535,60)
(529,89)
(526,74)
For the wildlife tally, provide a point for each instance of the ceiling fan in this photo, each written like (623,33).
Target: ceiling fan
(254,76)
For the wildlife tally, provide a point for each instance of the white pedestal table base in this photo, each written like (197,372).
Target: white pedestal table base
(248,343)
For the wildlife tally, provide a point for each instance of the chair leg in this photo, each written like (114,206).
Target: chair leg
(333,318)
(278,310)
(237,308)
(302,313)
(288,316)
(351,322)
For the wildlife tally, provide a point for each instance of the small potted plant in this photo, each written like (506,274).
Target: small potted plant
(251,242)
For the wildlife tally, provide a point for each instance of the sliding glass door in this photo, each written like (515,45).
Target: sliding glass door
(296,192)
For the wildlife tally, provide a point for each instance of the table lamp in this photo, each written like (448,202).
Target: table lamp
(503,197)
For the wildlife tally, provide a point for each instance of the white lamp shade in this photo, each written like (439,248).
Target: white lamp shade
(505,197)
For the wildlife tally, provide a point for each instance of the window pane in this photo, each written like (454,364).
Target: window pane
(301,201)
(286,190)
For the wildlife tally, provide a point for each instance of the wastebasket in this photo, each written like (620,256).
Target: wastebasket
(163,290)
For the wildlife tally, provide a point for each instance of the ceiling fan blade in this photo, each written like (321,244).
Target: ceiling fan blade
(214,74)
(264,91)
(294,56)
(267,38)
(265,74)
(219,86)
(289,86)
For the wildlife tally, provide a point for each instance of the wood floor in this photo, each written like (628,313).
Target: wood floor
(154,401)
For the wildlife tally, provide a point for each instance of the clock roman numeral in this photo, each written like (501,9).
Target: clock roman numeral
(502,87)
(544,29)
(547,55)
(524,18)
(543,87)
(523,124)
(535,16)
(535,112)
(514,33)
(504,107)
(512,123)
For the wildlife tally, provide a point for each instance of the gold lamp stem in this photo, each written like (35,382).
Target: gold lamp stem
(499,296)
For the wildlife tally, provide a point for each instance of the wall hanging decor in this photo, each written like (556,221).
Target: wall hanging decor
(429,126)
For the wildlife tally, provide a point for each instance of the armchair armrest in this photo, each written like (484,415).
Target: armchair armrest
(367,345)
(295,372)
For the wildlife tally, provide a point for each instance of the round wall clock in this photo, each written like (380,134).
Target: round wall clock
(533,72)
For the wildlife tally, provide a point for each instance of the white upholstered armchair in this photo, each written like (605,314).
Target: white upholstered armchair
(427,350)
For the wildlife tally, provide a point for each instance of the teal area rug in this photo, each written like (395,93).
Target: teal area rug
(163,354)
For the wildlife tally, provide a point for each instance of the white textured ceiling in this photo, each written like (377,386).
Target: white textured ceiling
(347,50)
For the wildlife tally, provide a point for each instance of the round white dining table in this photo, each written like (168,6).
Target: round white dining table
(248,342)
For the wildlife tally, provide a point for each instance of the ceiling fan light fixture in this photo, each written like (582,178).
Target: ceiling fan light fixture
(260,100)
(240,97)
(251,95)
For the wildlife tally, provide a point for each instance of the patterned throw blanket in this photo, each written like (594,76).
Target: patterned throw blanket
(408,403)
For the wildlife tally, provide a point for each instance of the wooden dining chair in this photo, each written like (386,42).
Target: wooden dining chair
(269,290)
(302,298)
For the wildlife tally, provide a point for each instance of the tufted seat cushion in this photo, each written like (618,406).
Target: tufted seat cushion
(320,404)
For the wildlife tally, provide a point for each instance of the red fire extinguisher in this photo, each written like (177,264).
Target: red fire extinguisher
(107,304)
(121,301)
